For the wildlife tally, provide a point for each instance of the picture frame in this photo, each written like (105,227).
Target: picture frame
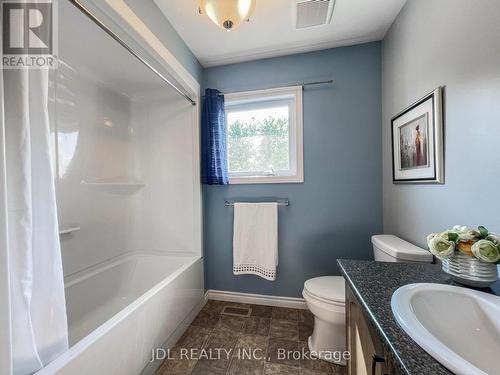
(417,135)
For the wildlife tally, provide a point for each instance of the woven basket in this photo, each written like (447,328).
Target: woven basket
(470,271)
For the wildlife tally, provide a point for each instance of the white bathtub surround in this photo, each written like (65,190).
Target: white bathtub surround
(255,239)
(37,303)
(126,147)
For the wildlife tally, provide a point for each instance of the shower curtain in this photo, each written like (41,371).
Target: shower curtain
(37,305)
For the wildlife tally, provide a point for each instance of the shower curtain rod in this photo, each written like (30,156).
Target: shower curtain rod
(99,23)
(313,83)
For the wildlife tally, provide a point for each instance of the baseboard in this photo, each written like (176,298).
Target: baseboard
(256,299)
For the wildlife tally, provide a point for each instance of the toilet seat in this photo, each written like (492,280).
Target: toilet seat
(327,289)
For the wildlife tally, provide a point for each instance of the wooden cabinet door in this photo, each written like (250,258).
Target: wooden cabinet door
(367,353)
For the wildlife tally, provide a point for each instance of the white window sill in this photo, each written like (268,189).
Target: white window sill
(266,180)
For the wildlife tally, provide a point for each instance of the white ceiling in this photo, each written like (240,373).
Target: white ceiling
(270,31)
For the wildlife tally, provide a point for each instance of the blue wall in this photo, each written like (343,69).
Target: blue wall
(333,214)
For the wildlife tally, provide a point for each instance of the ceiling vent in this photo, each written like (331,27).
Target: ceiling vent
(311,13)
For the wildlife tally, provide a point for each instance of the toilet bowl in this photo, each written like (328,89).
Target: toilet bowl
(325,298)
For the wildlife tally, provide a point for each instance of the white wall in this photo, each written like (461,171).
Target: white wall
(453,43)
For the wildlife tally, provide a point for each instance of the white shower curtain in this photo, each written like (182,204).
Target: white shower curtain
(38,311)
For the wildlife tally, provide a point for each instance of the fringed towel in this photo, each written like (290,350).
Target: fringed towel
(255,239)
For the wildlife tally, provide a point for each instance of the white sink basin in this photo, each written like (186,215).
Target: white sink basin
(459,327)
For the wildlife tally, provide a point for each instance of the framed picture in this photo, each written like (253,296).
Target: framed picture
(417,142)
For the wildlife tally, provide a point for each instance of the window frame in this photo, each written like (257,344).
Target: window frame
(296,151)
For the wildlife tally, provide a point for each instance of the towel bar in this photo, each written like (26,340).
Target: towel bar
(280,203)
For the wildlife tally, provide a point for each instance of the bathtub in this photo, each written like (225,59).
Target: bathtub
(122,309)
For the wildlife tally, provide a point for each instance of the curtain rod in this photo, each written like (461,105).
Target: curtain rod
(99,23)
(313,83)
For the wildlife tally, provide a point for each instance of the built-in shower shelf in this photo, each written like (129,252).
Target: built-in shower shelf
(68,229)
(116,186)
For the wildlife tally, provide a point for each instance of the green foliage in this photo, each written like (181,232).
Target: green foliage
(453,237)
(483,232)
(258,145)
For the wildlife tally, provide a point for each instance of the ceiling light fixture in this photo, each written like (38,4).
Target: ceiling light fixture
(227,14)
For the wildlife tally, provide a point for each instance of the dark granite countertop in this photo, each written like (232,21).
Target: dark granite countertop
(373,284)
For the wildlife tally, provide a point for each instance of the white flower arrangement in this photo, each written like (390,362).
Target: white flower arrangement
(479,243)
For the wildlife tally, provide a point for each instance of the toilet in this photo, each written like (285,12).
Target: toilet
(325,297)
(389,248)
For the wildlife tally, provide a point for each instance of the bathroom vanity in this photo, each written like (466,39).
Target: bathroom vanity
(368,354)
(375,340)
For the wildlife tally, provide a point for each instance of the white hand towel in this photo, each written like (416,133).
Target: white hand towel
(255,239)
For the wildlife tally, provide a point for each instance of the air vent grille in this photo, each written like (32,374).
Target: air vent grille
(311,13)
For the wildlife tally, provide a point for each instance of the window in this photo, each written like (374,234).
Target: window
(264,136)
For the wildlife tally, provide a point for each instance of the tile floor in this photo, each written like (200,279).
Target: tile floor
(263,333)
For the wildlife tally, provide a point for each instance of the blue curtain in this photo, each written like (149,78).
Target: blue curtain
(213,140)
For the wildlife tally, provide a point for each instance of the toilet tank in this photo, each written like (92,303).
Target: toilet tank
(389,248)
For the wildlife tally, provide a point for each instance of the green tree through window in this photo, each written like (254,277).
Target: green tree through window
(258,144)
